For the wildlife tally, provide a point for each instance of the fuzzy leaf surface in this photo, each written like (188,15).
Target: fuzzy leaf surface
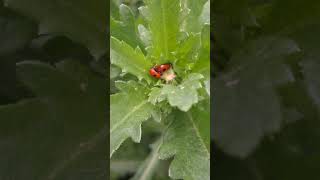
(125,28)
(188,139)
(129,60)
(247,90)
(182,96)
(164,26)
(198,14)
(128,109)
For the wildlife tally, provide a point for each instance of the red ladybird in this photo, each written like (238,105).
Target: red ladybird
(154,73)
(163,71)
(162,68)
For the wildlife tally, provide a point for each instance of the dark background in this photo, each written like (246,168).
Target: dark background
(53,122)
(266,91)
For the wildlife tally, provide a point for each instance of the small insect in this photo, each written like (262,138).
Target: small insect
(163,71)
(163,67)
(154,73)
(158,70)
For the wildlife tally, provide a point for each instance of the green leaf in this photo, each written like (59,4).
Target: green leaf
(30,71)
(205,37)
(144,11)
(182,96)
(202,65)
(207,85)
(201,117)
(187,53)
(125,29)
(129,60)
(15,33)
(246,89)
(164,26)
(193,81)
(205,14)
(308,41)
(82,21)
(187,139)
(145,35)
(232,19)
(78,81)
(126,120)
(311,71)
(155,96)
(199,14)
(114,9)
(189,48)
(67,111)
(114,71)
(31,109)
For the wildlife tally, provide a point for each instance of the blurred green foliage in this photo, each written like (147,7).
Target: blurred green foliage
(266,79)
(53,91)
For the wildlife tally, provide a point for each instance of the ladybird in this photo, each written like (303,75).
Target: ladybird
(154,73)
(161,71)
(162,68)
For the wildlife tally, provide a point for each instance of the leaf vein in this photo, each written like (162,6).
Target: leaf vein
(198,134)
(136,108)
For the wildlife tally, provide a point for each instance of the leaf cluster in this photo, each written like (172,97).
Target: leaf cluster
(158,32)
(52,93)
(266,87)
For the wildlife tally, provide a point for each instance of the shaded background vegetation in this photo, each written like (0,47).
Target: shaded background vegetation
(265,89)
(53,100)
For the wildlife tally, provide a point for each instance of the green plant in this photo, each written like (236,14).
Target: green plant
(266,89)
(52,92)
(162,31)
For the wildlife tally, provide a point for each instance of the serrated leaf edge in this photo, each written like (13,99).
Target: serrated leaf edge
(197,133)
(198,137)
(137,140)
(128,115)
